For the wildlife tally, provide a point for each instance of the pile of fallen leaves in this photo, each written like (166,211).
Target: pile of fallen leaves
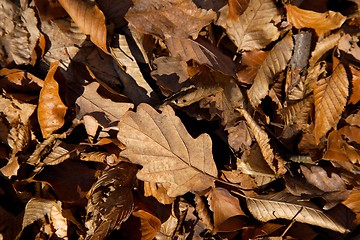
(179,119)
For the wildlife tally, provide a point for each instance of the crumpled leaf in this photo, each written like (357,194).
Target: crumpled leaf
(320,22)
(19,80)
(111,201)
(51,109)
(263,141)
(158,191)
(161,144)
(330,96)
(165,19)
(150,224)
(297,113)
(202,52)
(254,28)
(103,109)
(274,63)
(251,62)
(203,211)
(349,44)
(228,215)
(286,206)
(89,19)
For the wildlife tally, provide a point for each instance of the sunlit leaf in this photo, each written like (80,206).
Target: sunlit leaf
(162,145)
(254,28)
(51,110)
(274,63)
(89,19)
(322,46)
(330,96)
(320,22)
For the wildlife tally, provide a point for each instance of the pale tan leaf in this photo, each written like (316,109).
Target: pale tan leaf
(158,191)
(162,145)
(103,109)
(253,29)
(19,137)
(135,86)
(273,64)
(228,216)
(286,206)
(297,113)
(263,141)
(11,168)
(59,222)
(349,44)
(89,19)
(322,46)
(163,18)
(51,109)
(202,52)
(330,96)
(320,22)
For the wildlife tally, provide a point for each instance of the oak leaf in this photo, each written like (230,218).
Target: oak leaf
(330,96)
(320,22)
(161,144)
(254,28)
(274,63)
(51,109)
(89,19)
(164,19)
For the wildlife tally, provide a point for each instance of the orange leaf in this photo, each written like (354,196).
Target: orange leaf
(355,91)
(89,19)
(51,110)
(330,99)
(320,22)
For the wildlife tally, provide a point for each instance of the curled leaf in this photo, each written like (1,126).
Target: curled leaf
(167,152)
(51,110)
(320,22)
(89,19)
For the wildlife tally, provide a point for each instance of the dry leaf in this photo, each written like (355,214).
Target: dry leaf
(297,113)
(89,18)
(254,28)
(251,62)
(162,145)
(115,10)
(287,206)
(158,190)
(330,96)
(355,90)
(228,215)
(51,110)
(19,80)
(202,52)
(103,109)
(273,64)
(203,211)
(263,141)
(353,202)
(320,22)
(322,46)
(150,225)
(237,7)
(165,19)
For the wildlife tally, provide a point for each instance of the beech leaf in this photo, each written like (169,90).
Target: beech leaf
(320,22)
(164,19)
(51,109)
(323,46)
(274,63)
(89,18)
(286,206)
(161,144)
(254,28)
(330,96)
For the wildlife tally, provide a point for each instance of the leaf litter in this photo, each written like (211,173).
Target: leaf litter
(179,119)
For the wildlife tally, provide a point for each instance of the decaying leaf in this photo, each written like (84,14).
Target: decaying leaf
(161,144)
(320,22)
(274,63)
(111,201)
(162,18)
(51,110)
(89,18)
(330,96)
(253,29)
(286,206)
